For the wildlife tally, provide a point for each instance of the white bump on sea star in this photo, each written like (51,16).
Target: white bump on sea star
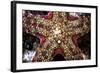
(59,41)
(57,31)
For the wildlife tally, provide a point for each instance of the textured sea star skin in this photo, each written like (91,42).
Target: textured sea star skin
(57,30)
